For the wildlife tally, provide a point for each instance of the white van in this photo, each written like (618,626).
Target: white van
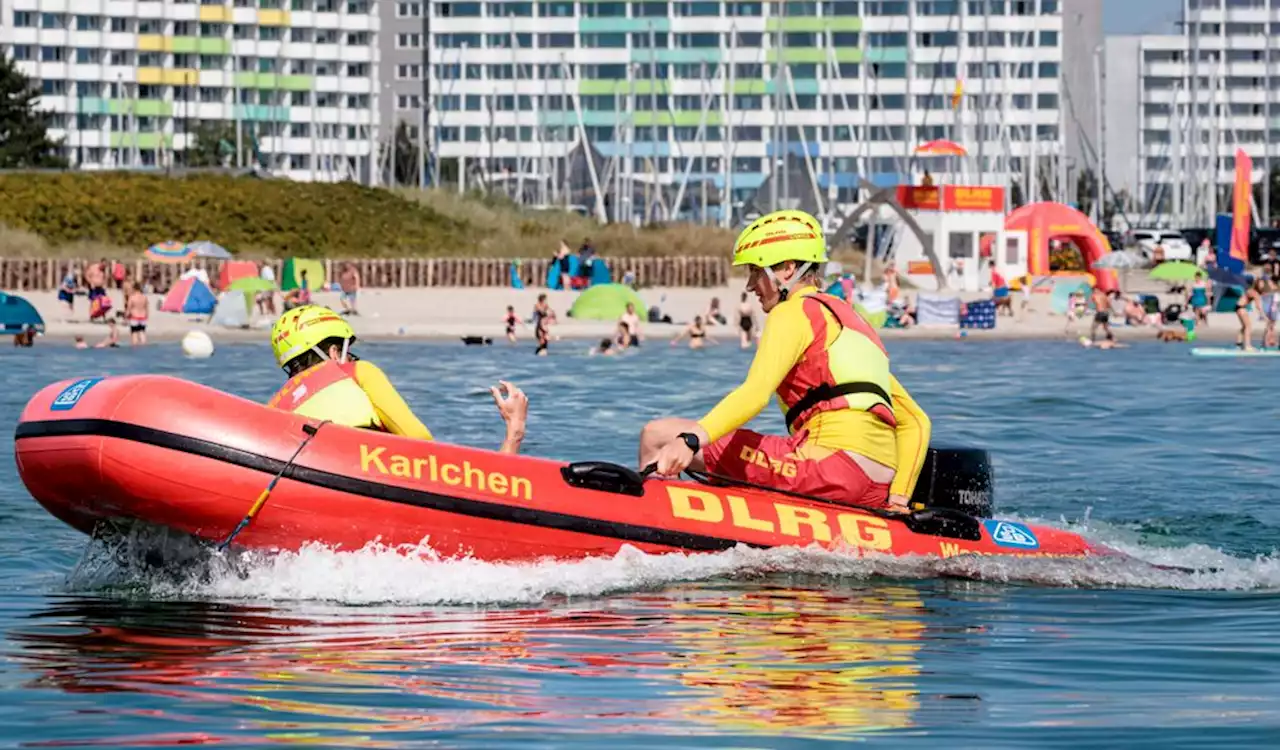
(1175,245)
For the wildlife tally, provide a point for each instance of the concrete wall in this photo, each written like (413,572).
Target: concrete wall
(1121,119)
(393,26)
(1081,35)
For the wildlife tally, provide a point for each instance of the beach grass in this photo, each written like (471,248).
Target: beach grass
(117,214)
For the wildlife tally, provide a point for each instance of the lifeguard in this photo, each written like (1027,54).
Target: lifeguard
(326,381)
(855,435)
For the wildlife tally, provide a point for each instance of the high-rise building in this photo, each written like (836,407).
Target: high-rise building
(295,82)
(1179,106)
(685,104)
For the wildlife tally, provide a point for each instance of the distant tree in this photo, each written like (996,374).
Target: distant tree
(24,129)
(404,156)
(1087,191)
(215,145)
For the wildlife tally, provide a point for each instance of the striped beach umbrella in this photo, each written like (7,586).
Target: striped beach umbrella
(169,251)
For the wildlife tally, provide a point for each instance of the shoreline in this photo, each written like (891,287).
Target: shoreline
(451,313)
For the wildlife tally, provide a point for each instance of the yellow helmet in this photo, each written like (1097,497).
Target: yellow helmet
(302,328)
(780,236)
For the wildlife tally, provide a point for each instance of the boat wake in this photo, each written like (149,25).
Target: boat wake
(152,563)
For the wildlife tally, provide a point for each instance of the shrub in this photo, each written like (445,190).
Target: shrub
(267,217)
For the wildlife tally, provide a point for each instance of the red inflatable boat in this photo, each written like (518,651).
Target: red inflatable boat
(193,459)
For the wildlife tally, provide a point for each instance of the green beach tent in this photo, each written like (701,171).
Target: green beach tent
(606,302)
(291,274)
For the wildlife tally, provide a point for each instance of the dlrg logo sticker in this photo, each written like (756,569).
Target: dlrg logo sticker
(72,394)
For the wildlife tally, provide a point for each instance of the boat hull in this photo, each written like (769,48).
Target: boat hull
(190,458)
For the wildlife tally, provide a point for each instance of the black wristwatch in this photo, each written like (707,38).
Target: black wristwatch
(690,440)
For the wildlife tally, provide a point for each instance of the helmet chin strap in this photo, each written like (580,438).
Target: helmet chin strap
(342,358)
(785,289)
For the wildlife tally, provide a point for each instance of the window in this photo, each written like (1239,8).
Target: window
(408,72)
(604,10)
(1048,39)
(408,10)
(410,41)
(938,7)
(696,9)
(1046,101)
(937,39)
(1047,70)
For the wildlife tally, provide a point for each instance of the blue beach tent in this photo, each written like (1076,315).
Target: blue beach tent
(18,315)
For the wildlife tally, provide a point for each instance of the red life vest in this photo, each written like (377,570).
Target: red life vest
(851,373)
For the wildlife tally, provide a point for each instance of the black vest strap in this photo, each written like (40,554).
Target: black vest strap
(827,392)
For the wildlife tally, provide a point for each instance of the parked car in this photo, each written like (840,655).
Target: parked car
(1174,244)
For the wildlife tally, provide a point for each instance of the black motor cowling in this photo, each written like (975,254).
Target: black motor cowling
(956,479)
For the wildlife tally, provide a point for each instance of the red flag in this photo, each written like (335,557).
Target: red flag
(1240,207)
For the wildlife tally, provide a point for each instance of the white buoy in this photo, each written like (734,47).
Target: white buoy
(197,344)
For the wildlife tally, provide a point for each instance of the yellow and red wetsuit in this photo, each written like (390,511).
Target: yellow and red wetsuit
(355,394)
(831,375)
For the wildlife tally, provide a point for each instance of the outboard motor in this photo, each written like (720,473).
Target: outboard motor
(956,479)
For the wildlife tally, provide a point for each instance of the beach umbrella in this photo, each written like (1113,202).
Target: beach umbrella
(606,302)
(207,249)
(18,315)
(169,251)
(1176,270)
(941,147)
(251,285)
(1121,260)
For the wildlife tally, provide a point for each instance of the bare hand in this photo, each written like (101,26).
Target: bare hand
(513,405)
(674,458)
(899,504)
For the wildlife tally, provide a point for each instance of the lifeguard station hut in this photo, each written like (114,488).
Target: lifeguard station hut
(954,220)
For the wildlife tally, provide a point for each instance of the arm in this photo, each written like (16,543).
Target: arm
(786,335)
(912,438)
(395,414)
(679,337)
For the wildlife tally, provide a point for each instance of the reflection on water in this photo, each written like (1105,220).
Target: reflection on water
(718,660)
(802,660)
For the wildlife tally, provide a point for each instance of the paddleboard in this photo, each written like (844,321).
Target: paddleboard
(1223,351)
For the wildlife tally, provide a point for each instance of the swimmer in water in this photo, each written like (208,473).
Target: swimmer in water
(511,320)
(697,334)
(605,349)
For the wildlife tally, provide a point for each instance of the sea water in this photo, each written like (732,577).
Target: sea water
(1169,457)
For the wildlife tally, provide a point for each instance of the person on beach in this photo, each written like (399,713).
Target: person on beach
(1198,299)
(856,436)
(629,326)
(95,278)
(746,323)
(299,297)
(136,310)
(713,316)
(696,332)
(1101,315)
(1270,309)
(349,282)
(80,343)
(1244,306)
(312,344)
(67,292)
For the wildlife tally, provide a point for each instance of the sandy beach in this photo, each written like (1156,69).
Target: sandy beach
(451,313)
